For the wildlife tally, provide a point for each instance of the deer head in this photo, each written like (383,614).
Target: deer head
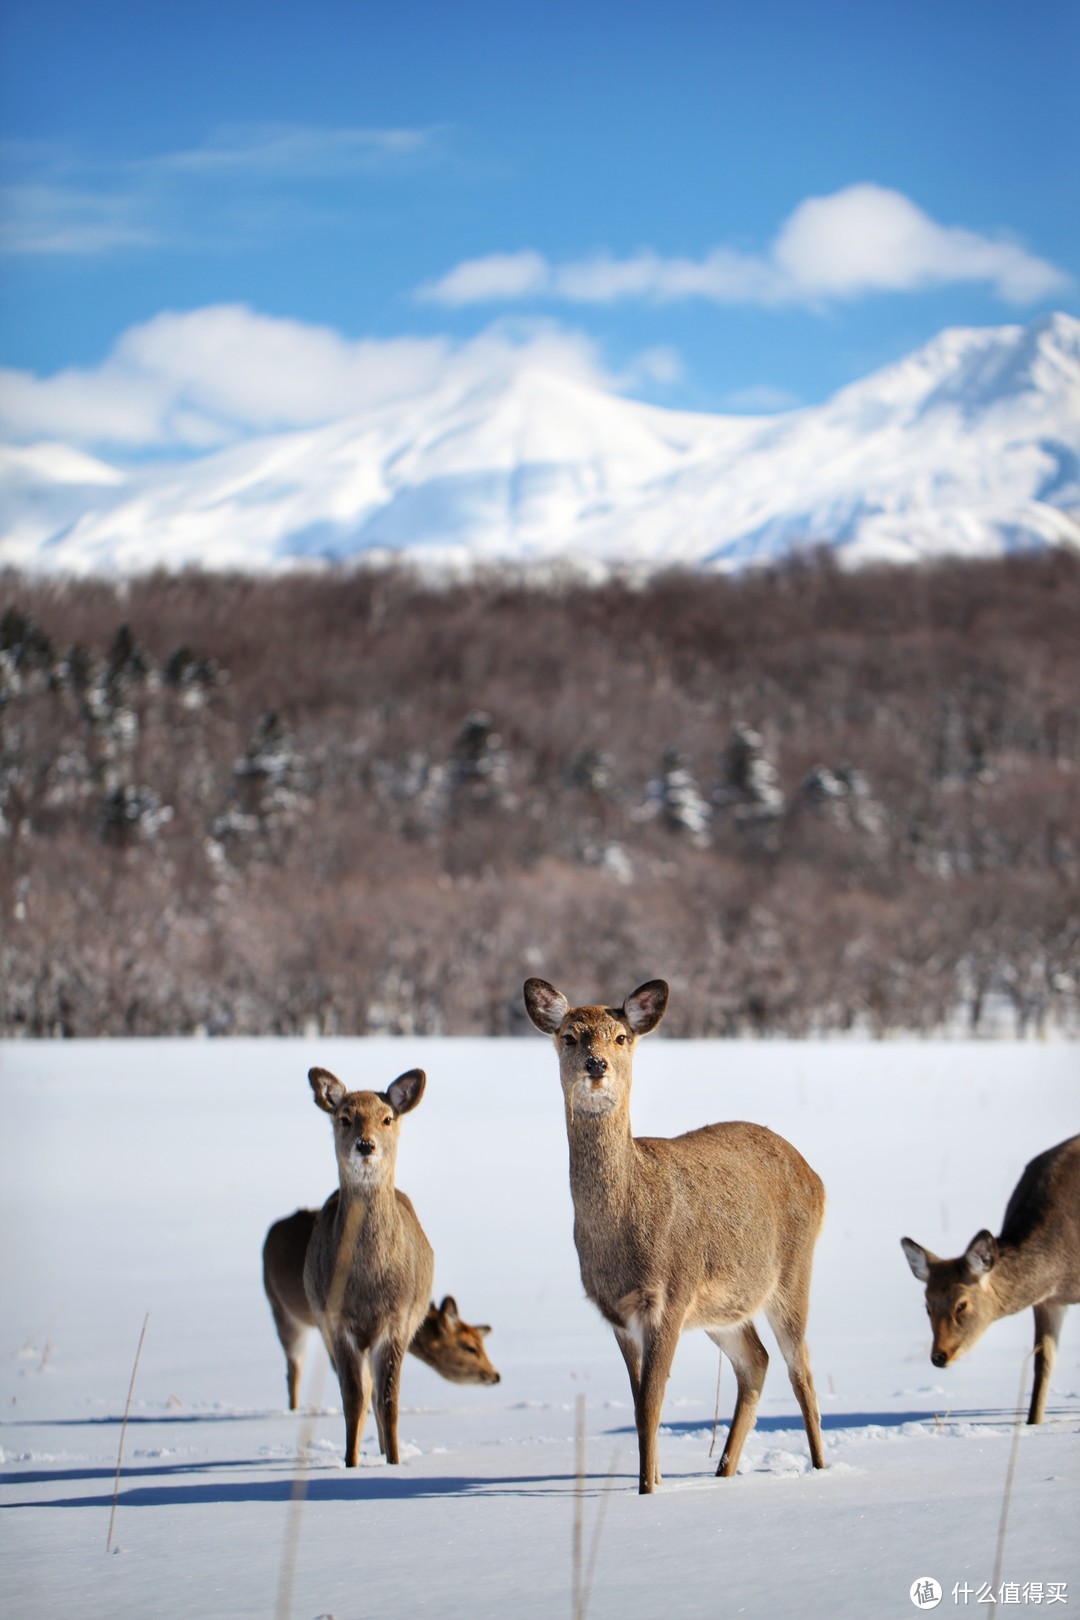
(959,1299)
(595,1044)
(366,1125)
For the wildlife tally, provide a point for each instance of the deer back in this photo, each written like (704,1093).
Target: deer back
(284,1253)
(1043,1217)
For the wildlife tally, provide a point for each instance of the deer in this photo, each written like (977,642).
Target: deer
(451,1346)
(1034,1261)
(701,1230)
(368,1267)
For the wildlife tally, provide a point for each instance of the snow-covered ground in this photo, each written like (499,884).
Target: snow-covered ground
(141,1176)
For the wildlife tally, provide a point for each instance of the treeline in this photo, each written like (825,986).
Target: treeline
(355,802)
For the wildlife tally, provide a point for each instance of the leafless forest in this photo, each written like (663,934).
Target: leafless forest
(812,800)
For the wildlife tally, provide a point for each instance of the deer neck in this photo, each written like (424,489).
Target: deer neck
(1020,1278)
(603,1160)
(370,1213)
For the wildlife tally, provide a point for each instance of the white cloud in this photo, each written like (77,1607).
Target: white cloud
(490,280)
(725,277)
(215,375)
(868,239)
(67,221)
(65,205)
(661,364)
(293,150)
(860,240)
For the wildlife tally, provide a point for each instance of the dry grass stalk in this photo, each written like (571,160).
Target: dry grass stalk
(716,1414)
(577,1609)
(1010,1473)
(291,1539)
(298,1496)
(123,1431)
(594,1546)
(582,1573)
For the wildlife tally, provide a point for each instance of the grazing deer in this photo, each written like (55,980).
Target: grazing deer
(453,1347)
(701,1230)
(368,1266)
(1035,1261)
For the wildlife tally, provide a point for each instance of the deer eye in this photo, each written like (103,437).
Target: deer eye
(471,1350)
(620,1040)
(962,1308)
(571,1040)
(389,1120)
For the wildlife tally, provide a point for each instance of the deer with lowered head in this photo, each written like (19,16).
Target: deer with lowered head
(700,1230)
(368,1266)
(1035,1261)
(451,1346)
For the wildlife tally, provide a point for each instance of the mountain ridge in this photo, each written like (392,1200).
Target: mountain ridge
(969,445)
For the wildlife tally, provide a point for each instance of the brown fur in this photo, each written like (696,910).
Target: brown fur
(701,1230)
(453,1347)
(368,1266)
(1035,1262)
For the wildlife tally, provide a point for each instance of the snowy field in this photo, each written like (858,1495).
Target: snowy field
(141,1177)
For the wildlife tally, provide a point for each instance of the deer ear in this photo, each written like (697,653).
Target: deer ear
(545,1005)
(917,1258)
(448,1309)
(406,1091)
(329,1091)
(981,1253)
(644,1009)
(483,1328)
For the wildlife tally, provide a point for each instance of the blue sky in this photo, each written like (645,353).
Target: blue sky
(707,205)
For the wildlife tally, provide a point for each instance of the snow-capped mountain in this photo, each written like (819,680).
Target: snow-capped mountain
(971,445)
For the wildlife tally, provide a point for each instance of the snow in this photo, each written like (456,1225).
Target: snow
(141,1177)
(970,446)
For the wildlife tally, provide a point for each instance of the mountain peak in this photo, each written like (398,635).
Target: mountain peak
(971,444)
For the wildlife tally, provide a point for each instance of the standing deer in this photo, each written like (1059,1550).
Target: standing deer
(1035,1261)
(368,1266)
(701,1230)
(453,1347)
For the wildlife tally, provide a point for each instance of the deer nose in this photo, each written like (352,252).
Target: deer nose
(365,1147)
(939,1358)
(595,1067)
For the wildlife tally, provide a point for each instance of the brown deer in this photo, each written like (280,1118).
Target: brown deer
(368,1266)
(453,1347)
(701,1230)
(1035,1261)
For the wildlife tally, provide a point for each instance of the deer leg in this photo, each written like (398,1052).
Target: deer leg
(631,1354)
(388,1360)
(750,1360)
(789,1325)
(328,1346)
(376,1406)
(354,1374)
(292,1377)
(293,1336)
(1048,1319)
(658,1352)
